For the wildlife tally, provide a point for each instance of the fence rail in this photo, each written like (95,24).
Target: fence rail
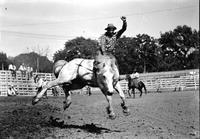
(168,81)
(160,81)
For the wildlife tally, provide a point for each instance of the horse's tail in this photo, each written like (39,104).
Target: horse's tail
(145,89)
(58,65)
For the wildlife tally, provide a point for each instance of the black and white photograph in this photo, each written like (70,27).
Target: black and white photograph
(99,69)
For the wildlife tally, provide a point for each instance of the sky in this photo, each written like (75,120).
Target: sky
(44,26)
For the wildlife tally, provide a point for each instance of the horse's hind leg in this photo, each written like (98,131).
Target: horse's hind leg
(140,92)
(145,90)
(130,92)
(44,89)
(122,96)
(67,101)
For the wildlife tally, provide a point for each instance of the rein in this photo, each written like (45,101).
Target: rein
(80,65)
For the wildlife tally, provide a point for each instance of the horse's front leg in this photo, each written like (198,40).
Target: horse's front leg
(133,92)
(109,109)
(122,96)
(140,92)
(130,92)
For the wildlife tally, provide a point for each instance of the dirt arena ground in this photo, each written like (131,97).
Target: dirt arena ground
(170,115)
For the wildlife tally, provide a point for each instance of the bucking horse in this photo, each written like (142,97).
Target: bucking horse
(79,72)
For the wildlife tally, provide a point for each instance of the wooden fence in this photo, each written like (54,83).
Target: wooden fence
(21,83)
(155,82)
(169,81)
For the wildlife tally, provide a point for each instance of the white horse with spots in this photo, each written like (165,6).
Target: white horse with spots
(79,72)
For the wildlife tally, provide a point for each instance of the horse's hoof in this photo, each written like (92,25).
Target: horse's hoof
(112,116)
(126,112)
(34,101)
(66,104)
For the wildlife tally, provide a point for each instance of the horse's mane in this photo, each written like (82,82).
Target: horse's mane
(106,59)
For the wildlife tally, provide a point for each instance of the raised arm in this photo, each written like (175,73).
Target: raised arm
(124,26)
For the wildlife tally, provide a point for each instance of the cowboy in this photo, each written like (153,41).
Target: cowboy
(107,42)
(135,74)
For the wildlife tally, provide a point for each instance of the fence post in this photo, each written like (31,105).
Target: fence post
(195,82)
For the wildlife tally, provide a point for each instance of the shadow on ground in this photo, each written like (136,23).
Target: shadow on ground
(91,128)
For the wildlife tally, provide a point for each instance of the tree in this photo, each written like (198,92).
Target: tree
(33,59)
(147,52)
(176,45)
(138,53)
(126,55)
(174,50)
(78,47)
(3,61)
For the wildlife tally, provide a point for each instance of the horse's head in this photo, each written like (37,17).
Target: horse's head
(105,77)
(128,76)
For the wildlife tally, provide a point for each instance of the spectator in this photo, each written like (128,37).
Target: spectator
(12,68)
(12,91)
(29,72)
(22,68)
(88,90)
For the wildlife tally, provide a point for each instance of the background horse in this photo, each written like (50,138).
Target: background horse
(134,83)
(78,73)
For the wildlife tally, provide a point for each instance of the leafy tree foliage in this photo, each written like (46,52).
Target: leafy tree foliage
(175,46)
(78,47)
(138,53)
(3,61)
(36,61)
(147,52)
(174,50)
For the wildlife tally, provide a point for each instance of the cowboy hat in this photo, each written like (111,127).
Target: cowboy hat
(110,26)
